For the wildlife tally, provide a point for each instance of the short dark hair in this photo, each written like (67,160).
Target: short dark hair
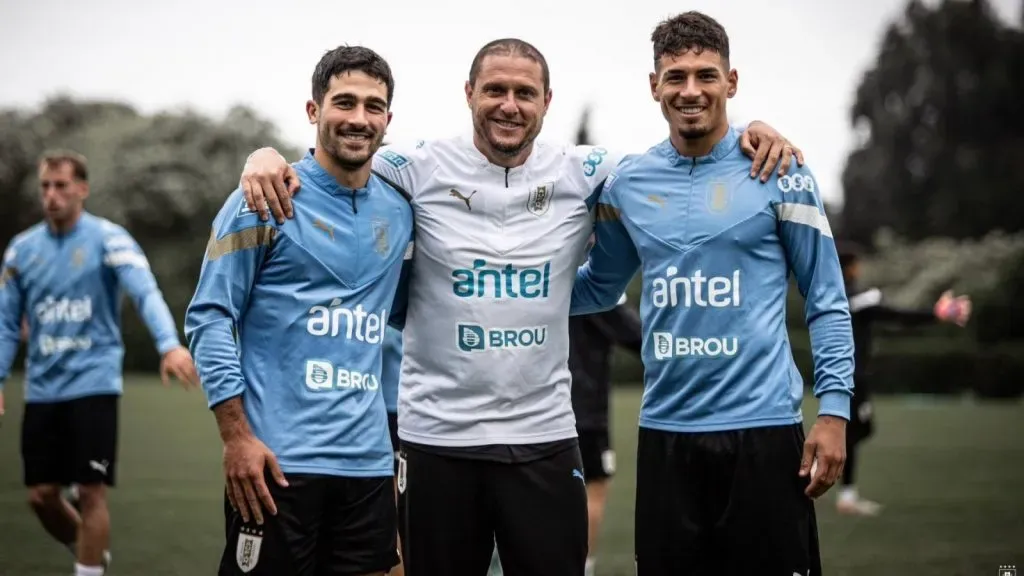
(510,47)
(351,58)
(690,31)
(54,158)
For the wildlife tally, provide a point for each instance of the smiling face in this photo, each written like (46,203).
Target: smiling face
(508,99)
(352,118)
(693,88)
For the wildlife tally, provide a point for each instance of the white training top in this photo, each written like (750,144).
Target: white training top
(486,342)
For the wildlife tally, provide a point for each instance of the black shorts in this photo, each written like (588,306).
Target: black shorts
(724,503)
(454,509)
(862,413)
(597,454)
(325,526)
(70,442)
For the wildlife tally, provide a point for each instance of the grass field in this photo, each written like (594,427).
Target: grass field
(950,471)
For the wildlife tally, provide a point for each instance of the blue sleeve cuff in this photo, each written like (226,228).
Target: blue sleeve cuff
(834,403)
(167,345)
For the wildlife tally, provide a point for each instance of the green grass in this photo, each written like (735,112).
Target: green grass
(951,473)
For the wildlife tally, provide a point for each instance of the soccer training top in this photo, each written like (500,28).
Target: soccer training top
(716,248)
(486,335)
(292,317)
(69,287)
(391,368)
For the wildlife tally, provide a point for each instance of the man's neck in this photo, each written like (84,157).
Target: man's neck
(697,147)
(499,159)
(61,227)
(353,179)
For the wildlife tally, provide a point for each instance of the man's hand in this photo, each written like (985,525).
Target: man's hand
(245,459)
(824,454)
(768,148)
(268,180)
(178,363)
(956,310)
(1,403)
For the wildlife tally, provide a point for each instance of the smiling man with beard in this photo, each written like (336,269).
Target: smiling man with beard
(725,475)
(287,327)
(489,443)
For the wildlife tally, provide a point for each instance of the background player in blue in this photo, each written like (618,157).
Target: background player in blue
(721,484)
(60,289)
(287,326)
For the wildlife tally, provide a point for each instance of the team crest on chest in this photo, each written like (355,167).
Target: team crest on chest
(78,257)
(247,552)
(718,196)
(539,201)
(380,236)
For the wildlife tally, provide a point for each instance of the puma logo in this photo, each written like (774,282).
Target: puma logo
(456,194)
(100,467)
(321,225)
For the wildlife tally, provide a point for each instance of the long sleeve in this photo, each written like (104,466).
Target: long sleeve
(237,246)
(870,303)
(125,257)
(810,250)
(611,265)
(400,304)
(11,308)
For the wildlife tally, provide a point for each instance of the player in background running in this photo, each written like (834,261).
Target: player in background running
(61,291)
(287,326)
(489,441)
(867,310)
(721,484)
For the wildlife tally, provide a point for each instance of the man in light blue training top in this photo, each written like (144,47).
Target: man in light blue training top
(288,324)
(60,290)
(721,485)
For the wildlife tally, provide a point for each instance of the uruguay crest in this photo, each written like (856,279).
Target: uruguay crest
(247,552)
(380,236)
(718,196)
(540,199)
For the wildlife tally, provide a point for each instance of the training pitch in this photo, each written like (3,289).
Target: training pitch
(950,472)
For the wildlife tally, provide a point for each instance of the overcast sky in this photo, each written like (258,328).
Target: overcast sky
(799,61)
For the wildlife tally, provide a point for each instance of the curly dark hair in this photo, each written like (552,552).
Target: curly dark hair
(690,31)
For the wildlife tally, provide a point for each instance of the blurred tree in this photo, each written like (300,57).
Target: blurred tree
(945,132)
(162,176)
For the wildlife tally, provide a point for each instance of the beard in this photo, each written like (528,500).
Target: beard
(330,142)
(505,147)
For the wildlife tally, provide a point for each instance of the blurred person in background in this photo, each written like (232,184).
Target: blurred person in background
(485,412)
(390,373)
(867,310)
(592,339)
(287,326)
(726,474)
(60,290)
